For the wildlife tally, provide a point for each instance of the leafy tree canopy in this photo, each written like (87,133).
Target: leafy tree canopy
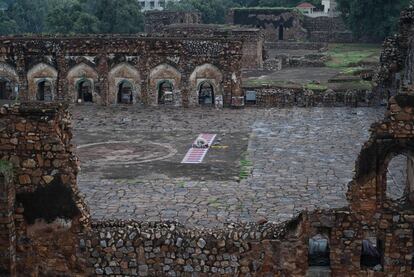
(372,19)
(70,16)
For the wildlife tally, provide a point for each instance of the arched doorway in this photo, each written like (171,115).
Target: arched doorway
(400,177)
(44,91)
(165,92)
(281,32)
(125,93)
(6,90)
(85,91)
(206,94)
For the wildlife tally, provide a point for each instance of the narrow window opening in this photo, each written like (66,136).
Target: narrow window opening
(6,90)
(85,91)
(319,251)
(371,254)
(206,94)
(44,91)
(281,32)
(165,93)
(125,95)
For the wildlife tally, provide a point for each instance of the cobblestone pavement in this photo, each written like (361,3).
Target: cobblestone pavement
(301,159)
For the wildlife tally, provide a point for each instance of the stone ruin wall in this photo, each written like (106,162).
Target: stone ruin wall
(327,29)
(45,211)
(61,240)
(252,38)
(396,60)
(300,97)
(106,61)
(155,21)
(296,26)
(270,21)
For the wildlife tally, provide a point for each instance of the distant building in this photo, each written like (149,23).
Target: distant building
(329,6)
(306,8)
(150,5)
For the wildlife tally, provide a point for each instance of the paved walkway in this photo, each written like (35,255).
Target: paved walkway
(301,159)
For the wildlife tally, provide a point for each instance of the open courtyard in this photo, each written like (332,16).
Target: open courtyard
(265,164)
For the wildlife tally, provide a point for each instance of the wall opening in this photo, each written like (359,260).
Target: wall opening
(44,91)
(206,94)
(371,254)
(85,91)
(400,178)
(6,90)
(319,251)
(125,93)
(165,92)
(281,32)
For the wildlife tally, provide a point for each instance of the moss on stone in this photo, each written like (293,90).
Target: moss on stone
(6,169)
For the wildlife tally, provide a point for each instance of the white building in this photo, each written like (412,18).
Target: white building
(150,5)
(329,6)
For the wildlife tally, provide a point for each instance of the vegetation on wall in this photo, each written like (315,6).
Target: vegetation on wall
(70,16)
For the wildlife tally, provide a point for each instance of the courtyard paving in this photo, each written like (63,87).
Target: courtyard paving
(300,159)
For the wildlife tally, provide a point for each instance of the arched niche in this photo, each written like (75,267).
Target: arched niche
(80,75)
(121,75)
(161,74)
(205,74)
(42,82)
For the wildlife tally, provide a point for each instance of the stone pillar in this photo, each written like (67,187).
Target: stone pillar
(22,73)
(62,87)
(103,72)
(7,228)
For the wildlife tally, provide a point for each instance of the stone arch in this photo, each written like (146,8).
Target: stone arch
(124,72)
(384,164)
(205,73)
(81,73)
(39,74)
(160,74)
(9,82)
(368,189)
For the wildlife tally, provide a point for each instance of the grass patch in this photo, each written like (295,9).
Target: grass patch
(271,83)
(245,167)
(315,87)
(352,71)
(350,55)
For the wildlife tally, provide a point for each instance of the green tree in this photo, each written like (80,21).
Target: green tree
(372,19)
(116,16)
(7,25)
(212,11)
(29,15)
(62,16)
(86,24)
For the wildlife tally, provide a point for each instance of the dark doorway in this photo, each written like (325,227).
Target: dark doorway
(371,253)
(6,90)
(165,92)
(281,31)
(85,91)
(206,94)
(125,95)
(44,91)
